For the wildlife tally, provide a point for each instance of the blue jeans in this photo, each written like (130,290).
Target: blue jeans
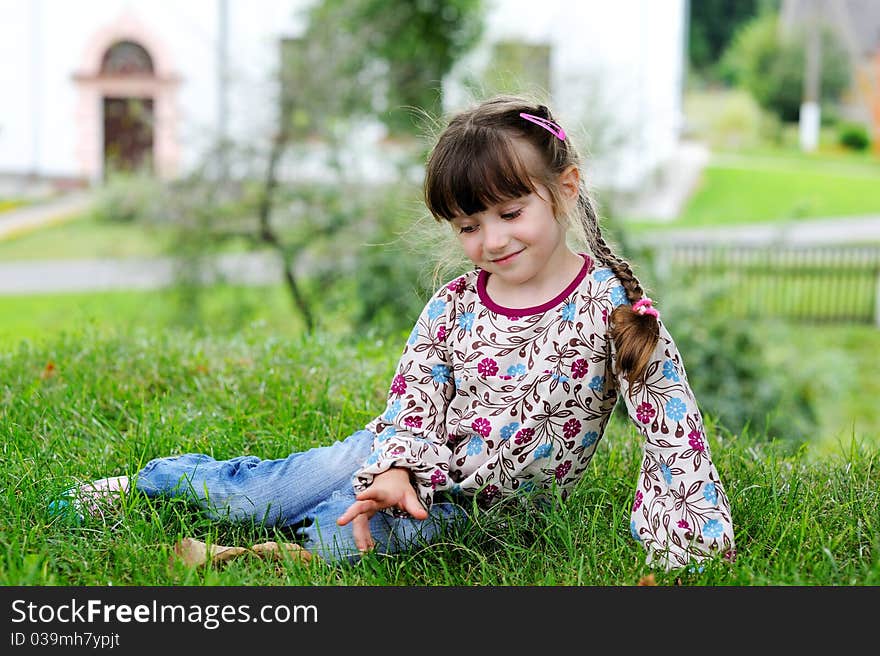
(308,490)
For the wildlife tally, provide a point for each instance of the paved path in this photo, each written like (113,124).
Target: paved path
(804,232)
(43,213)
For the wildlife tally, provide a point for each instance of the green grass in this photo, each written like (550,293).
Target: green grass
(113,401)
(86,237)
(762,190)
(40,317)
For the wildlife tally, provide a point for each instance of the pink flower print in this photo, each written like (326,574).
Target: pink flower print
(413,421)
(638,501)
(605,316)
(579,368)
(398,385)
(695,439)
(438,478)
(441,333)
(458,286)
(487,367)
(562,470)
(683,524)
(482,426)
(397,451)
(524,435)
(645,412)
(489,492)
(571,428)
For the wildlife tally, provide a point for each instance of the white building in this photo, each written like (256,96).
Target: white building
(204,68)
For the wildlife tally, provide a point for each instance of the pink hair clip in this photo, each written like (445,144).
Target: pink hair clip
(550,126)
(643,306)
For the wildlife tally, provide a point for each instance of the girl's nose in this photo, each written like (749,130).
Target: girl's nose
(495,237)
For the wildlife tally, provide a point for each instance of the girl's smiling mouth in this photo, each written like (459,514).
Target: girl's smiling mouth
(507,258)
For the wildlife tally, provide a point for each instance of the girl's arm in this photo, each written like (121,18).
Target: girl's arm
(680,512)
(411,433)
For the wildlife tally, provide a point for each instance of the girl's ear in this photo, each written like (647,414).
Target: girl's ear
(570,182)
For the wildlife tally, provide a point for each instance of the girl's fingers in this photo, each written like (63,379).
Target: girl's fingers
(360,529)
(413,506)
(356,509)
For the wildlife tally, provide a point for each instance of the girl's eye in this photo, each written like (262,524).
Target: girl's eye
(466,229)
(511,215)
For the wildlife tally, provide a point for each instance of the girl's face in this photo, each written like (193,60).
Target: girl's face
(519,240)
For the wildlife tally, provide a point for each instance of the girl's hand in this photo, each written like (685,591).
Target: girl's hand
(390,488)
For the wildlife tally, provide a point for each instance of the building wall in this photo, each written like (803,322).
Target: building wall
(620,61)
(616,76)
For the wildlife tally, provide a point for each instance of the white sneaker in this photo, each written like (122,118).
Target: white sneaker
(90,499)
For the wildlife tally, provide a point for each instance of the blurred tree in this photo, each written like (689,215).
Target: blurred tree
(772,67)
(357,61)
(712,25)
(391,56)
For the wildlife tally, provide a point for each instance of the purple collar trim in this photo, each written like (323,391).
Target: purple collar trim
(516,313)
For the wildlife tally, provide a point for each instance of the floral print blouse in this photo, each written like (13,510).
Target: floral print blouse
(491,401)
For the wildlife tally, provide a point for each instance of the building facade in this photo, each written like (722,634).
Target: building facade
(156,82)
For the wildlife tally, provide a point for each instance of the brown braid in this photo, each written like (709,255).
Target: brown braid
(635,335)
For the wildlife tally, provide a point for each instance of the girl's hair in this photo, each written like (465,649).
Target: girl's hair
(474,164)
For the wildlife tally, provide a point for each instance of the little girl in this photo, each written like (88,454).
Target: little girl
(506,383)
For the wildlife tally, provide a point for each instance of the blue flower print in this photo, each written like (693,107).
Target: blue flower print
(457,383)
(561,379)
(667,475)
(568,311)
(632,530)
(509,430)
(675,409)
(385,434)
(543,451)
(525,487)
(475,445)
(618,296)
(669,371)
(713,529)
(516,370)
(710,493)
(597,383)
(392,411)
(590,439)
(466,321)
(436,308)
(373,458)
(413,336)
(455,489)
(440,373)
(602,275)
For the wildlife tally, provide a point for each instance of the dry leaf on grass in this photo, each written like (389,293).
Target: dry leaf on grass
(280,550)
(194,552)
(647,580)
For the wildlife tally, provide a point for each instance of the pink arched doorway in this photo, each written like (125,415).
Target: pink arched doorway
(126,116)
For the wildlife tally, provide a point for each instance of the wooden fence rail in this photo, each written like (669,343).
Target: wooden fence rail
(835,283)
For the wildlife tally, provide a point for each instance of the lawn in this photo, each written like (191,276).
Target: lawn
(86,237)
(109,403)
(754,189)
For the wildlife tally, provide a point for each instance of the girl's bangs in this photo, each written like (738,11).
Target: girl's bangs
(477,172)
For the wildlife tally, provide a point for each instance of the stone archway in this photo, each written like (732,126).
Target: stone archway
(126,116)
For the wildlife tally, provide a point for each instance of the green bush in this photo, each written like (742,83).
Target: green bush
(771,67)
(129,198)
(853,136)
